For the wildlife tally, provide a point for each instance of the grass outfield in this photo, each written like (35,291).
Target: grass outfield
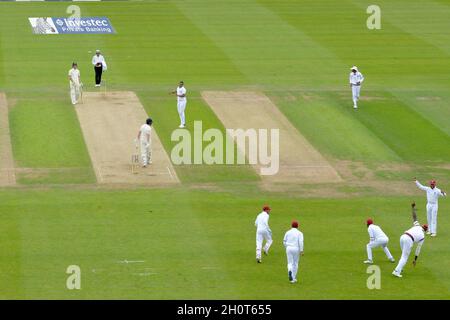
(200,245)
(197,239)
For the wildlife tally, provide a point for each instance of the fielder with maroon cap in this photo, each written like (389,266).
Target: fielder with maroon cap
(413,235)
(293,242)
(377,239)
(263,232)
(433,193)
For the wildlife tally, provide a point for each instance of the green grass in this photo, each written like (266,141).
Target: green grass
(162,107)
(197,239)
(190,252)
(320,112)
(47,135)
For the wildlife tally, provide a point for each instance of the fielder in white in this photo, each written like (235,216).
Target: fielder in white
(181,103)
(145,142)
(75,83)
(433,193)
(356,78)
(293,242)
(413,235)
(377,239)
(263,232)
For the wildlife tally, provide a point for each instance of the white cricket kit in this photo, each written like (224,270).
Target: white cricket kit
(354,79)
(407,240)
(99,59)
(146,143)
(263,232)
(432,205)
(181,104)
(377,239)
(293,242)
(74,75)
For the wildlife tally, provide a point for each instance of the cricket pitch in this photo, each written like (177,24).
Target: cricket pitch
(7,174)
(300,162)
(110,124)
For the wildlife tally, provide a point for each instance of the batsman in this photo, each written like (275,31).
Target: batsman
(75,83)
(145,142)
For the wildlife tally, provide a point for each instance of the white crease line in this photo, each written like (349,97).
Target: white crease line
(281,166)
(171,176)
(144,273)
(131,261)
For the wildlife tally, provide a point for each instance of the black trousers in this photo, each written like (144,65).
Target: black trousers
(98,74)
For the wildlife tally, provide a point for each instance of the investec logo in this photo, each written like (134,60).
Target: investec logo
(84,24)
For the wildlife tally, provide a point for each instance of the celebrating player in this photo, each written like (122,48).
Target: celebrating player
(407,240)
(263,232)
(433,193)
(377,239)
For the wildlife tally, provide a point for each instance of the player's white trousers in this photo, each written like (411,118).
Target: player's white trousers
(380,242)
(74,92)
(146,152)
(262,235)
(355,94)
(406,245)
(293,255)
(181,106)
(432,210)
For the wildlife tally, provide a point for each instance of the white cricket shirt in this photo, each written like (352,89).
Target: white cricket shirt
(145,130)
(262,221)
(181,91)
(432,194)
(98,59)
(293,238)
(416,232)
(74,74)
(375,232)
(356,77)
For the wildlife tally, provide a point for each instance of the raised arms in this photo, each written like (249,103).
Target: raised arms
(413,211)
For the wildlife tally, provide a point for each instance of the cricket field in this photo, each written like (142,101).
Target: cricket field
(189,233)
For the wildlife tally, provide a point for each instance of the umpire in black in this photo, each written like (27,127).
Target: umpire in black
(99,65)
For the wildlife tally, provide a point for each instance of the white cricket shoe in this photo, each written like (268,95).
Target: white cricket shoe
(181,126)
(398,275)
(294,281)
(368,262)
(433,234)
(428,232)
(355,107)
(392,260)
